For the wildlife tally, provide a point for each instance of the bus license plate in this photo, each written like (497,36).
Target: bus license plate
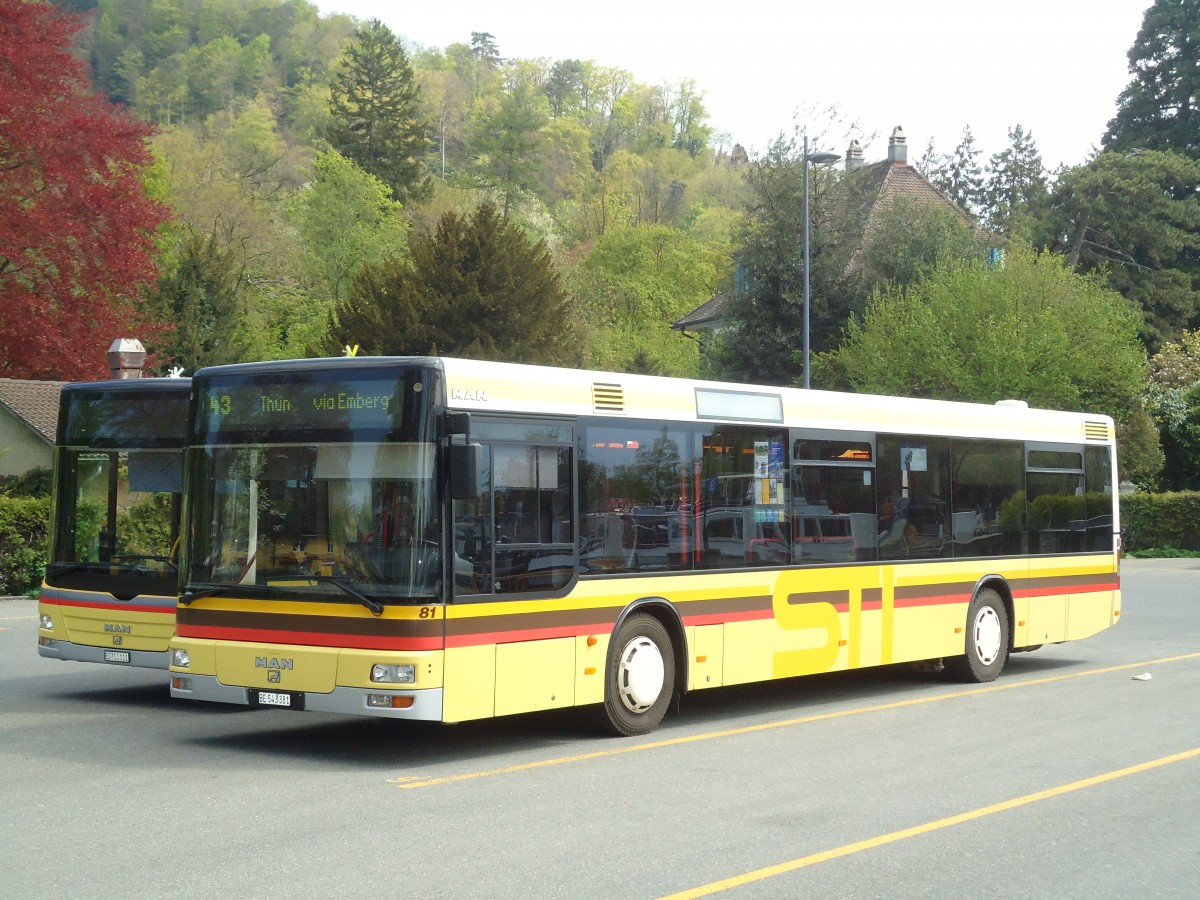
(279,698)
(121,656)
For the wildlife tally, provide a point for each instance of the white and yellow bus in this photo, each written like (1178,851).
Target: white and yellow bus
(111,584)
(443,539)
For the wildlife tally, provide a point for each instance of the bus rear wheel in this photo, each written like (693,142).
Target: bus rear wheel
(986,642)
(640,678)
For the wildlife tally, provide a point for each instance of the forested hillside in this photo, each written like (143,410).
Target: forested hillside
(315,181)
(250,98)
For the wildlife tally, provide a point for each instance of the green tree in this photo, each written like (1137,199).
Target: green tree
(1172,396)
(1016,181)
(1135,216)
(346,219)
(635,283)
(376,112)
(960,174)
(1157,110)
(215,181)
(508,136)
(200,295)
(1031,329)
(765,313)
(477,288)
(909,240)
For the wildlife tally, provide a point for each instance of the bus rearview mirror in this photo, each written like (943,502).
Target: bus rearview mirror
(466,469)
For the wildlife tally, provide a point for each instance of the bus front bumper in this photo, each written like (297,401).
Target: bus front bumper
(54,648)
(425,705)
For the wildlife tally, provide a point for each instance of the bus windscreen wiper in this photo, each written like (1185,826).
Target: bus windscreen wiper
(370,603)
(188,596)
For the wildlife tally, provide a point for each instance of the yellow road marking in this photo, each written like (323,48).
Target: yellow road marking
(915,831)
(415,781)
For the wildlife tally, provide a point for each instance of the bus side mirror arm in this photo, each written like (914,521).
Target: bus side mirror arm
(466,469)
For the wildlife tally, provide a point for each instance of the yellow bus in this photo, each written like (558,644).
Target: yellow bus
(111,583)
(444,539)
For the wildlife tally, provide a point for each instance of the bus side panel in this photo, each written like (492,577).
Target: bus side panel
(707,645)
(761,650)
(1071,598)
(1090,613)
(535,675)
(1047,619)
(930,632)
(470,682)
(589,669)
(1099,607)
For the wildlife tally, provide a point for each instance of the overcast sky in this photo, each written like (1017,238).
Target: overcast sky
(931,66)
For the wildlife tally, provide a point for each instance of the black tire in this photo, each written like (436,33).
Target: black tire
(986,643)
(639,679)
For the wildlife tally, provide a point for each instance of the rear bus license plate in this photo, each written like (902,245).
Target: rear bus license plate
(121,656)
(277,698)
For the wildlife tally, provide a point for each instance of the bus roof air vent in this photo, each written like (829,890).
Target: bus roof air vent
(1015,404)
(1095,431)
(608,398)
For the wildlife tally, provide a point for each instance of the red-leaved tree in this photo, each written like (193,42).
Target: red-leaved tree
(76,224)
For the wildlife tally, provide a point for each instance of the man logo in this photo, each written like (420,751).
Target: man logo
(477,394)
(272,662)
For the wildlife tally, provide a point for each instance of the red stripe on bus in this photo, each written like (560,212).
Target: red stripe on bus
(1073,589)
(939,600)
(115,606)
(528,634)
(750,615)
(308,639)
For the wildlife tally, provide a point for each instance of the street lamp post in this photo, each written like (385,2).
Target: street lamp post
(809,159)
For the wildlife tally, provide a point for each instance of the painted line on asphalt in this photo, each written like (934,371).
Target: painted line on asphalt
(416,781)
(918,830)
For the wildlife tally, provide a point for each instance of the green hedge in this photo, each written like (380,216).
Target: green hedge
(24,533)
(1161,521)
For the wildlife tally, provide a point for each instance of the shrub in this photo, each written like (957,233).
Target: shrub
(1162,521)
(34,483)
(24,536)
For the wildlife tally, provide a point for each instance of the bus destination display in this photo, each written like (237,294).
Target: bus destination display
(375,405)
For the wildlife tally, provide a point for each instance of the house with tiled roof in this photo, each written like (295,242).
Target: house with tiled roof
(893,178)
(28,420)
(882,184)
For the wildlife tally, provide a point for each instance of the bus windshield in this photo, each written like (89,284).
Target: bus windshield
(118,487)
(117,520)
(317,521)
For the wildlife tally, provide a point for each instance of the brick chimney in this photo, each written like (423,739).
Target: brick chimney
(898,147)
(854,156)
(126,356)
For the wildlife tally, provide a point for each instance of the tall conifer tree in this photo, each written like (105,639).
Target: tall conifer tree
(477,288)
(1016,178)
(376,114)
(1157,111)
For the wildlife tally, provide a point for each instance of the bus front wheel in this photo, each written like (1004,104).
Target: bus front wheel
(640,677)
(986,641)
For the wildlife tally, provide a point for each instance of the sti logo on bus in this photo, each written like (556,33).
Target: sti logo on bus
(272,662)
(477,394)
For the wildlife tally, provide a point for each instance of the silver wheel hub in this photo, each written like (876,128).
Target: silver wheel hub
(640,674)
(987,635)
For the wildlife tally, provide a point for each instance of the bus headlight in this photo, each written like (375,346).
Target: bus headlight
(180,658)
(398,674)
(47,622)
